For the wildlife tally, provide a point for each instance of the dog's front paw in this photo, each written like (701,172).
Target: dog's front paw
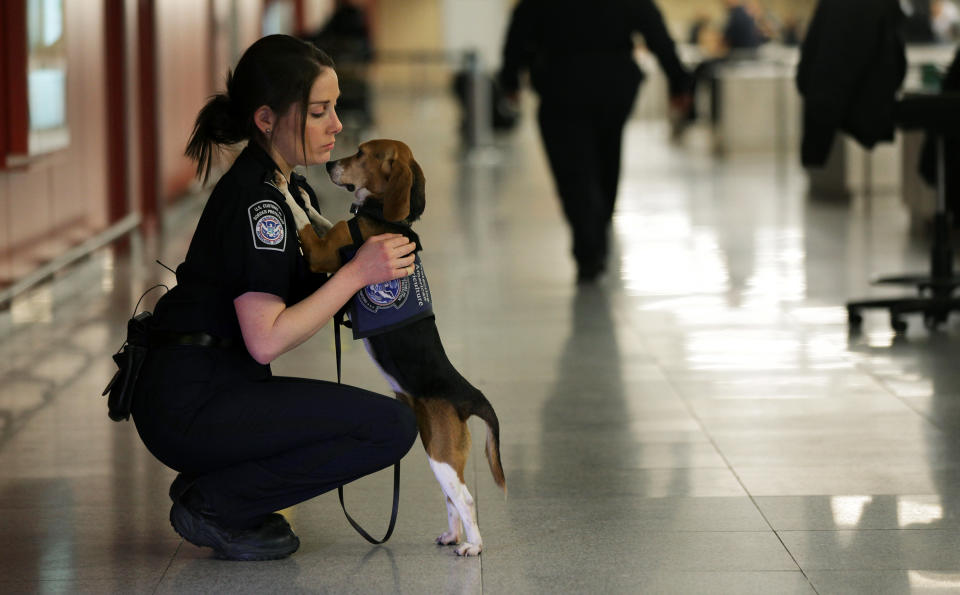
(320,223)
(469,549)
(448,538)
(279,181)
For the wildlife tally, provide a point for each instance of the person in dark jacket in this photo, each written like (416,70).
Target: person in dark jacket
(852,62)
(741,31)
(580,61)
(346,37)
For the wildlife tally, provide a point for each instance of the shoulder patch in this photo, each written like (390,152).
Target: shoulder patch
(268,226)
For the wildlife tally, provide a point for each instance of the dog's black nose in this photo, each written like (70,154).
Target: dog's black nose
(350,187)
(330,165)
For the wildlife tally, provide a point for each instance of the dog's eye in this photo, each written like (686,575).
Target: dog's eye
(359,152)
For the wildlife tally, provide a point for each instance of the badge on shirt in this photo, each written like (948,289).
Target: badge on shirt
(268,226)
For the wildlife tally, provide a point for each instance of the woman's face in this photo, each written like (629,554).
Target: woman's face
(322,124)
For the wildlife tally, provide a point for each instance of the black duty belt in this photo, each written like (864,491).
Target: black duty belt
(196,339)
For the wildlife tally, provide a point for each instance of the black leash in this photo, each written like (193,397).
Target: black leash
(338,321)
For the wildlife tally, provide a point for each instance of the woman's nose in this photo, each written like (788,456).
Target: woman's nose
(337,125)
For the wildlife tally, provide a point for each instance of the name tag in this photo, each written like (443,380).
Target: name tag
(383,307)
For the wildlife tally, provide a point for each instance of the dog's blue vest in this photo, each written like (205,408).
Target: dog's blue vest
(387,306)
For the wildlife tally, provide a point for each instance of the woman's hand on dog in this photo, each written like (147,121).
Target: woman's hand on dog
(382,258)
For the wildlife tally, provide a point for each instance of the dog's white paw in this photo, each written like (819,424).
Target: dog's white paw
(469,549)
(279,181)
(448,538)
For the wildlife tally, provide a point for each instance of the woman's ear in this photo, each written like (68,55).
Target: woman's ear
(264,119)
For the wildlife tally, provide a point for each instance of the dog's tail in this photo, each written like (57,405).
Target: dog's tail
(484,410)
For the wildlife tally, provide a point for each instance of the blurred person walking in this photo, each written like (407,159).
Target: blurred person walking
(581,64)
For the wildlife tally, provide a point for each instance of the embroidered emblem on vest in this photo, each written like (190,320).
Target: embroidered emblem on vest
(382,307)
(384,295)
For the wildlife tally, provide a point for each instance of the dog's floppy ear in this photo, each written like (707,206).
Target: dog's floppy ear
(418,196)
(396,198)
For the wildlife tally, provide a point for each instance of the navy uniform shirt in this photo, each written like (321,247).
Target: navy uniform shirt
(245,241)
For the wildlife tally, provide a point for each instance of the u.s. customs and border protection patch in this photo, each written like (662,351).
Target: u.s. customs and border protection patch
(268,226)
(383,307)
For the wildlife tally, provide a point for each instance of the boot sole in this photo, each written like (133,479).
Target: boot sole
(199,534)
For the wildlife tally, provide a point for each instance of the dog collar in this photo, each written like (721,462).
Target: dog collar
(375,212)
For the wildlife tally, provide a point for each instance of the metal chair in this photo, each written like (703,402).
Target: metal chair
(938,114)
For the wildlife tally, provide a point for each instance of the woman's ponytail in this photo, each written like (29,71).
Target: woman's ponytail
(217,124)
(277,71)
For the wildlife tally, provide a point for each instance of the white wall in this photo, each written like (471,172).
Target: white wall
(476,24)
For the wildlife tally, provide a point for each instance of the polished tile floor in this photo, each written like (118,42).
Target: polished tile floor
(697,422)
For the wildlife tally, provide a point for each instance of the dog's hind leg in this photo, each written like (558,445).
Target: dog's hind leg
(464,510)
(446,438)
(454,534)
(447,441)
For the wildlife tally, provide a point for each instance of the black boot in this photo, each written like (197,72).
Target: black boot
(183,482)
(271,540)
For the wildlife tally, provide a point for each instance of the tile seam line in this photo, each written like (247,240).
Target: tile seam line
(163,574)
(886,387)
(686,403)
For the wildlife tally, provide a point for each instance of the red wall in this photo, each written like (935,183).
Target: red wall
(183,84)
(59,199)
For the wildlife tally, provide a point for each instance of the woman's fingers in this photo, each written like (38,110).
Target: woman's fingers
(404,266)
(401,245)
(394,241)
(386,256)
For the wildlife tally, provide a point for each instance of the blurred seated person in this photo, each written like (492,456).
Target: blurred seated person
(346,32)
(944,20)
(791,32)
(918,25)
(346,38)
(742,31)
(741,36)
(699,25)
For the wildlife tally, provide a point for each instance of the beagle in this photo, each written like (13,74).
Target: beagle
(389,189)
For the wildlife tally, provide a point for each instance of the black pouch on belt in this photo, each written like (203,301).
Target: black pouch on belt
(129,361)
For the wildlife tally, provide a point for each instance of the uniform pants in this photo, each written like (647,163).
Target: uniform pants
(256,443)
(583,142)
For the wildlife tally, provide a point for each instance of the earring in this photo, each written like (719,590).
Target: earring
(268,131)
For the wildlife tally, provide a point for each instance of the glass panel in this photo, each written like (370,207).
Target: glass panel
(46,76)
(278,17)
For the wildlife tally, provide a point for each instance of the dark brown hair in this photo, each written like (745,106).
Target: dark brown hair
(277,71)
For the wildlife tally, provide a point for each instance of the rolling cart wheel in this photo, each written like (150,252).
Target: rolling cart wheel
(899,325)
(854,319)
(933,320)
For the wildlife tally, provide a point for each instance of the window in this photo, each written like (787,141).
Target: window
(46,76)
(33,80)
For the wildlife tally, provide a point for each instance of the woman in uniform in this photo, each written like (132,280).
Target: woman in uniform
(247,443)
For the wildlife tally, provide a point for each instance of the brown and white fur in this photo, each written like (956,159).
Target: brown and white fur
(384,173)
